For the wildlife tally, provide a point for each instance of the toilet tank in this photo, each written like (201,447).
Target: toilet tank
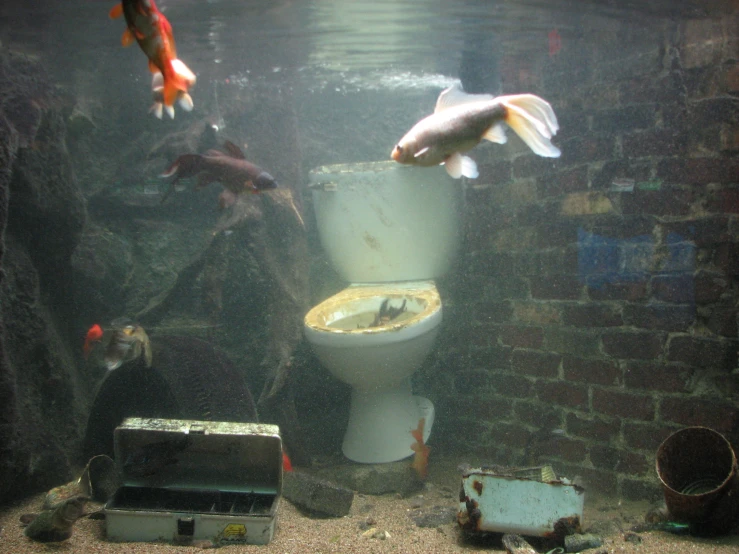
(384,222)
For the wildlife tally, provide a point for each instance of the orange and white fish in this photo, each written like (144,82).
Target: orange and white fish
(151,30)
(94,334)
(461,121)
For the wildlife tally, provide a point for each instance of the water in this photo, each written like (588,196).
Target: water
(594,294)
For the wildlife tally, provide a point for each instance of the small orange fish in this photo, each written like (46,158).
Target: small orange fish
(286,463)
(94,334)
(421,459)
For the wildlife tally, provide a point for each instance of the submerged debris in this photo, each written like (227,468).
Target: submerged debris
(387,313)
(56,524)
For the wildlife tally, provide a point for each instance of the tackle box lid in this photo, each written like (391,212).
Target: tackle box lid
(199,455)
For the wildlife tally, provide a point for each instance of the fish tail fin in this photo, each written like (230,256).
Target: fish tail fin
(183,167)
(533,119)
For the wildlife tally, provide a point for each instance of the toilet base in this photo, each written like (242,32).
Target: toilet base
(380,424)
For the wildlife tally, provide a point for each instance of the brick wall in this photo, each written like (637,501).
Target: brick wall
(581,306)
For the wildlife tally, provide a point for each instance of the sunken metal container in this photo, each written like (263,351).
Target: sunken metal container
(184,481)
(527,501)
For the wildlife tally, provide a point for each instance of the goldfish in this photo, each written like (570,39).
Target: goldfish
(286,463)
(421,458)
(153,32)
(127,344)
(461,121)
(230,169)
(94,334)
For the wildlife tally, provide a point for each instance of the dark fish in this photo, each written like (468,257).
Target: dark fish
(230,169)
(460,121)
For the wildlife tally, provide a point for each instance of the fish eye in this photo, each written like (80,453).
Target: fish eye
(398,149)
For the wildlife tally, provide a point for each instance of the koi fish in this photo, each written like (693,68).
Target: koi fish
(230,169)
(421,458)
(126,345)
(461,121)
(94,334)
(153,32)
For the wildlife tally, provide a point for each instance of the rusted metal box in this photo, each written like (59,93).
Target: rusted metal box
(185,480)
(531,501)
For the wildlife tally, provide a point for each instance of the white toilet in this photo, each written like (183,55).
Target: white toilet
(388,230)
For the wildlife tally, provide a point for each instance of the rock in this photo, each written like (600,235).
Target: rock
(436,516)
(316,495)
(376,479)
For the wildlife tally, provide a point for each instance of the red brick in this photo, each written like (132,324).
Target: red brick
(514,386)
(699,171)
(538,414)
(725,201)
(511,435)
(586,150)
(704,352)
(521,336)
(654,142)
(703,231)
(675,288)
(591,315)
(657,376)
(623,404)
(633,345)
(574,451)
(631,291)
(619,460)
(659,316)
(591,371)
(598,429)
(563,182)
(722,320)
(483,408)
(707,412)
(535,363)
(471,381)
(668,201)
(709,286)
(492,357)
(493,312)
(561,393)
(559,287)
(725,257)
(646,436)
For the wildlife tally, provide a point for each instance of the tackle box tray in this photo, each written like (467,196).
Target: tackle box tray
(184,480)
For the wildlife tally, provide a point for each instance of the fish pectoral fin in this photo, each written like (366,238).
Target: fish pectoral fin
(127,38)
(421,152)
(116,11)
(455,95)
(496,133)
(458,166)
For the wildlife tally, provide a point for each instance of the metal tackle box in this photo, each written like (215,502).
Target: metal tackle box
(184,480)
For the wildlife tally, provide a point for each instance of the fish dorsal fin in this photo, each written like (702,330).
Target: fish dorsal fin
(233,150)
(496,133)
(454,96)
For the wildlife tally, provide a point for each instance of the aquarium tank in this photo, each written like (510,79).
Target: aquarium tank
(495,233)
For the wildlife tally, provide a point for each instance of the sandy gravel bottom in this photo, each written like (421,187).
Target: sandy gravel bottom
(296,532)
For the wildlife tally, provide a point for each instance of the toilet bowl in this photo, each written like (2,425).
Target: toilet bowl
(388,230)
(378,361)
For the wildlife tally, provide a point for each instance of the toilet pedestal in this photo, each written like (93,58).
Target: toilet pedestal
(381,421)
